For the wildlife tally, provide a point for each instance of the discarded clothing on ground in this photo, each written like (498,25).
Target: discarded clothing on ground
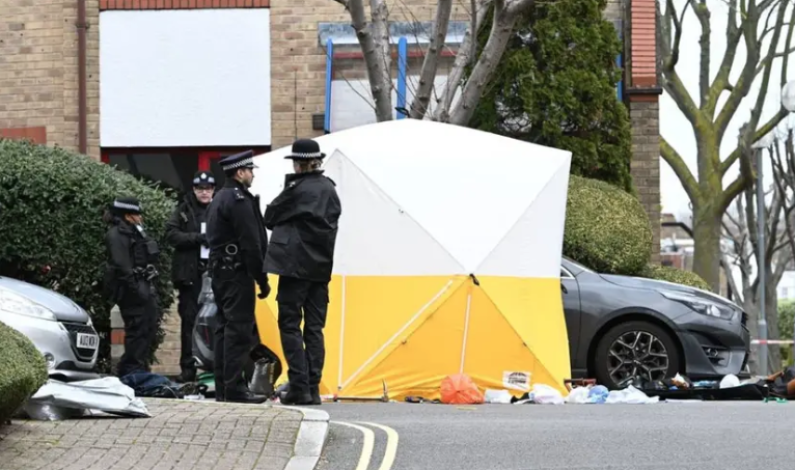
(57,400)
(147,384)
(682,388)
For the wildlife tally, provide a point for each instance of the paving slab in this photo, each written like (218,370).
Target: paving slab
(180,435)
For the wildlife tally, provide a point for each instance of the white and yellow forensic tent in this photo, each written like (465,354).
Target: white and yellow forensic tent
(447,259)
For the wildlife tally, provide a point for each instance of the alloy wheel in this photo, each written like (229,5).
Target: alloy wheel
(637,354)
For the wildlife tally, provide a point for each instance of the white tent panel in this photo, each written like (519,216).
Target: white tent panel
(533,246)
(377,238)
(465,187)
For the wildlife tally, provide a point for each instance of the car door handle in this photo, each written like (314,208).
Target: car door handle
(563,288)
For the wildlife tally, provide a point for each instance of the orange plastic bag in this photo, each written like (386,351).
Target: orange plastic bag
(459,389)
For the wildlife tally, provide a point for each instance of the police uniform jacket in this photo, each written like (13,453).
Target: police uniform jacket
(128,257)
(234,218)
(303,220)
(183,232)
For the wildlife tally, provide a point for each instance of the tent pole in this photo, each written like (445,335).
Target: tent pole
(342,335)
(466,330)
(398,333)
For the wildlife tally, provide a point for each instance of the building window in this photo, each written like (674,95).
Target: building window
(173,170)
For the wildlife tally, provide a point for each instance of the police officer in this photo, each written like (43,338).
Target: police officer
(184,231)
(238,242)
(303,220)
(131,270)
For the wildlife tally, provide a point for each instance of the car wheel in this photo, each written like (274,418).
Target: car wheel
(636,349)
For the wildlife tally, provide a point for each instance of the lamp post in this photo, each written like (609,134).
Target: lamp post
(759,147)
(788,103)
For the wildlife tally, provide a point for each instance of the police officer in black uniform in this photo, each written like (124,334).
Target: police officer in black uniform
(303,220)
(131,270)
(238,242)
(184,233)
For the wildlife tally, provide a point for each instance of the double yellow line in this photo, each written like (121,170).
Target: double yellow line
(390,452)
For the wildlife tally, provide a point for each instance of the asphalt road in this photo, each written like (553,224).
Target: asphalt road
(663,436)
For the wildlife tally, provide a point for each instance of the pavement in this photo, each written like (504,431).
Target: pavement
(180,435)
(663,436)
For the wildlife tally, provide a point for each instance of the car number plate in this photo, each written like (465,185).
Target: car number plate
(87,341)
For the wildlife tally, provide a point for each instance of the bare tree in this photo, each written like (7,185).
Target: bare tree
(779,246)
(761,26)
(373,38)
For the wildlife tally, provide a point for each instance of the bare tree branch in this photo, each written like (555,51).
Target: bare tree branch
(679,166)
(467,52)
(669,32)
(761,132)
(371,39)
(506,13)
(431,61)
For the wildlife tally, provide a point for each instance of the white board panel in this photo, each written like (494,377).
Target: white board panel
(172,78)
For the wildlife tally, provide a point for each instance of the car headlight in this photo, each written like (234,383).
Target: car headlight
(702,306)
(12,302)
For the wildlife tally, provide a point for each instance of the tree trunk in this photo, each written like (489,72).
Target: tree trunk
(706,235)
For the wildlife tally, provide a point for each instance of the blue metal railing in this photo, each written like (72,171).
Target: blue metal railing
(403,46)
(329,77)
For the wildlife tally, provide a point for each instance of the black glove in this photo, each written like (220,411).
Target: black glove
(264,288)
(202,239)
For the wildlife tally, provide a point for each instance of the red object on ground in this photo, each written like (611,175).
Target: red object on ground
(459,389)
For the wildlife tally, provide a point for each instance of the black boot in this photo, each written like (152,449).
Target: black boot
(245,397)
(315,393)
(187,376)
(295,397)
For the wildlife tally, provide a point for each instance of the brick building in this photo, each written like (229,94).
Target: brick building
(162,88)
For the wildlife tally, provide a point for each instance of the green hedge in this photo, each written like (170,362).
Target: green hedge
(51,206)
(22,371)
(678,276)
(606,228)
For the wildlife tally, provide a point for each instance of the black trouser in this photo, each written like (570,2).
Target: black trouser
(235,297)
(298,300)
(188,309)
(140,331)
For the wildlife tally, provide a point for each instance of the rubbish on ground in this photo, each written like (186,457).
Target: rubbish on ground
(778,400)
(705,384)
(578,396)
(730,381)
(571,383)
(57,400)
(598,395)
(630,396)
(546,395)
(782,384)
(498,396)
(459,389)
(680,382)
(517,380)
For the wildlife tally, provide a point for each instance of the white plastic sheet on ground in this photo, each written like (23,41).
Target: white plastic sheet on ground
(107,394)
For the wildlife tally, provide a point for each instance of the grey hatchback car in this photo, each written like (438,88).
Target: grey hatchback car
(622,328)
(58,327)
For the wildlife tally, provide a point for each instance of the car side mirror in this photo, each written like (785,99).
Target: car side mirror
(563,288)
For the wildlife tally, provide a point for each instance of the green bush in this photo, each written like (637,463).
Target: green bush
(678,276)
(51,206)
(606,228)
(555,85)
(22,371)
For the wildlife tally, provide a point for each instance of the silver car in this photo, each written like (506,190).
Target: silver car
(58,327)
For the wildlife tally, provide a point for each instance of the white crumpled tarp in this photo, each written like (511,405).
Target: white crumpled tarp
(107,394)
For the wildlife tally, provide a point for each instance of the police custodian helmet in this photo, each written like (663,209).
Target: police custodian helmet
(202,178)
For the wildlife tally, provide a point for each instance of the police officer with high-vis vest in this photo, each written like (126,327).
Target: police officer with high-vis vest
(129,282)
(238,241)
